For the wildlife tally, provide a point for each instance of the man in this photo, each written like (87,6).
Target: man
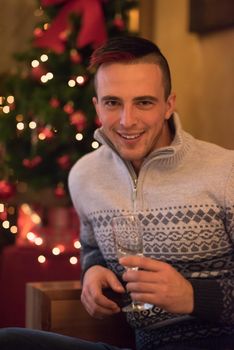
(181,189)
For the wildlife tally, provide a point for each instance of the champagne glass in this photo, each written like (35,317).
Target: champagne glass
(128,239)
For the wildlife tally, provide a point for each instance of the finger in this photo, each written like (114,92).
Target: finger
(133,287)
(104,299)
(142,262)
(115,284)
(142,276)
(148,298)
(99,307)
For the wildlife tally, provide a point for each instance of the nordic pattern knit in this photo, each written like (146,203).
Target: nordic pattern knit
(184,197)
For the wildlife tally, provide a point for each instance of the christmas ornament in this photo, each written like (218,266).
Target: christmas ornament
(46,133)
(7,189)
(54,102)
(3,215)
(37,32)
(118,22)
(75,56)
(79,120)
(32,163)
(64,162)
(37,72)
(68,108)
(92,31)
(59,191)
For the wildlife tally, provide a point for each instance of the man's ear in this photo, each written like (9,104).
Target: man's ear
(95,101)
(96,106)
(171,102)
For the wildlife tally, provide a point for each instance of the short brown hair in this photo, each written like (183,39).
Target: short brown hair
(132,49)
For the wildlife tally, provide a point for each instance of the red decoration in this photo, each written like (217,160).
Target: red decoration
(92,32)
(32,163)
(3,215)
(47,132)
(37,72)
(79,120)
(75,56)
(7,189)
(38,32)
(54,102)
(68,108)
(64,162)
(59,191)
(118,22)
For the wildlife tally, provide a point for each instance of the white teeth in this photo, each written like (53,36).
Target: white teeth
(130,137)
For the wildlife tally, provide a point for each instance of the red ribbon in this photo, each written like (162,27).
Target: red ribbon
(92,32)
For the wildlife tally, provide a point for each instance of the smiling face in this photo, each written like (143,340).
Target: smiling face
(132,108)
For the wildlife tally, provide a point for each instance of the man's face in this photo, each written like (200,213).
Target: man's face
(132,108)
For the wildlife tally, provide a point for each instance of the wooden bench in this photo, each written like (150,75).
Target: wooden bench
(56,307)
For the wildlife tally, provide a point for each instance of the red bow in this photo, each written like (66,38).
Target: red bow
(92,32)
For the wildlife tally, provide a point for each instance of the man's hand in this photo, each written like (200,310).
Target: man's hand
(158,283)
(96,279)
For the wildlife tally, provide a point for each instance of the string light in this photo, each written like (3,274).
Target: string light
(44,79)
(36,218)
(41,136)
(31,236)
(6,109)
(71,83)
(6,224)
(32,125)
(38,241)
(95,144)
(13,229)
(80,80)
(49,75)
(10,99)
(1,207)
(77,244)
(79,136)
(20,126)
(41,259)
(56,251)
(73,260)
(35,63)
(11,210)
(44,58)
(19,117)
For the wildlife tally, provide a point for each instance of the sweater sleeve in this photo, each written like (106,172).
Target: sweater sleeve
(90,252)
(214,298)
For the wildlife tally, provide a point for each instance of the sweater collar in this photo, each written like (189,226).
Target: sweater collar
(169,155)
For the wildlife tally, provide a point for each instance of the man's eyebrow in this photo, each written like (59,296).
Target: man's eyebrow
(145,97)
(110,97)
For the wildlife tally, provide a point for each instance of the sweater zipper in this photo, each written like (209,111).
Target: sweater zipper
(130,169)
(134,194)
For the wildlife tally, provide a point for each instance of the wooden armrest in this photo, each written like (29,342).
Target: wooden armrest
(56,307)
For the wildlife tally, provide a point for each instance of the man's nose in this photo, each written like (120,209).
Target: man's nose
(128,118)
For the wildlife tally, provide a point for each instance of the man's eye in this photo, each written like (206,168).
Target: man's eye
(111,103)
(145,104)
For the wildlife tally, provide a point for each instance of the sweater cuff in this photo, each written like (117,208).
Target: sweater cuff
(88,265)
(208,300)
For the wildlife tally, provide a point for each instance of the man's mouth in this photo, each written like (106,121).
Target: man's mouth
(130,136)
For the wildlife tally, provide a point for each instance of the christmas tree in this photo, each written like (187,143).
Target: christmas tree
(46,116)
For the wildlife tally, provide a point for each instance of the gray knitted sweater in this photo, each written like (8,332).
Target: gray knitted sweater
(184,197)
